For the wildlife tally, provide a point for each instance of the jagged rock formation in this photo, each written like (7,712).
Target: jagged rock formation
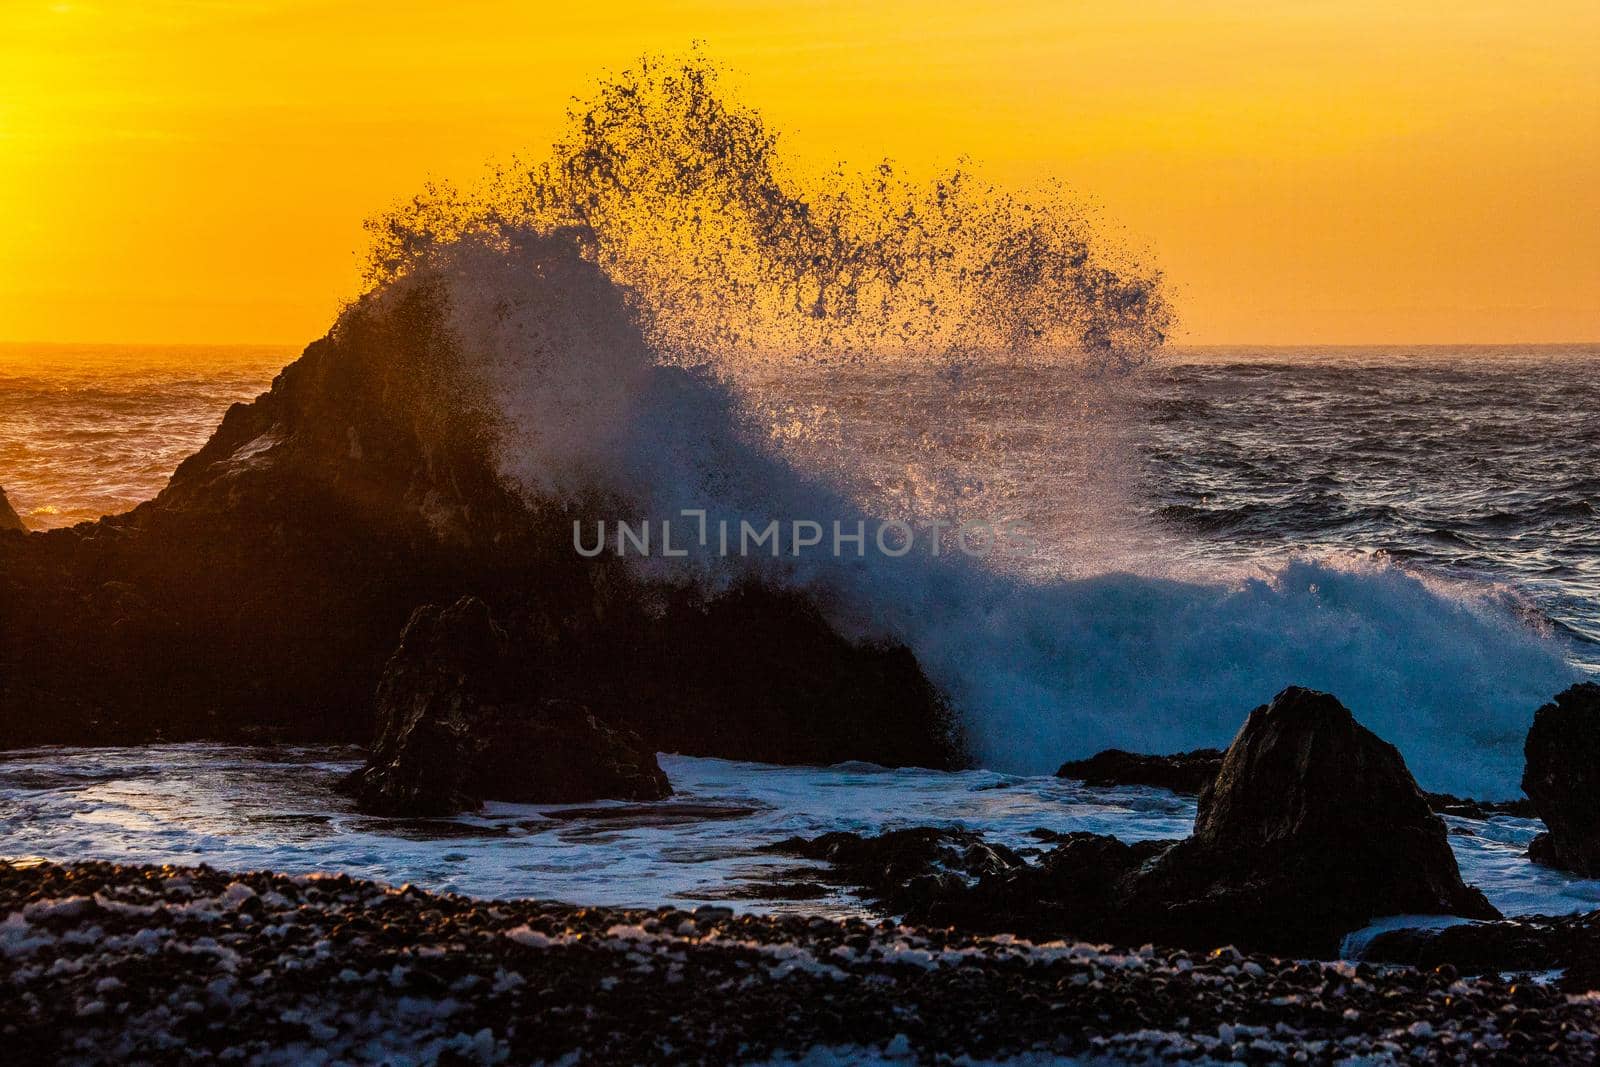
(1312,828)
(1562,776)
(262,592)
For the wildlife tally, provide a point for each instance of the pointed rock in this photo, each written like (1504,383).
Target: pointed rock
(9,519)
(1312,828)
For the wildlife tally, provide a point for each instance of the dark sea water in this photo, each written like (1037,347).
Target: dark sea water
(1479,466)
(1480,463)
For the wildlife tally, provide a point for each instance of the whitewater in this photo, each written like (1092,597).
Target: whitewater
(250,808)
(1114,634)
(641,311)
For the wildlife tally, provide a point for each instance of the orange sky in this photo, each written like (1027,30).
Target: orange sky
(197,170)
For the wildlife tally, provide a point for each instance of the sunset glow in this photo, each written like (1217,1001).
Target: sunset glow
(198,170)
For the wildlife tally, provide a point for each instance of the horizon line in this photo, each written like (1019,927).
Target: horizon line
(1170,345)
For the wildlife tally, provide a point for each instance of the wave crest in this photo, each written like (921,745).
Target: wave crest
(595,298)
(731,254)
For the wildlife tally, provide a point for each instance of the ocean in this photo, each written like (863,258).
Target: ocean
(1387,514)
(92,430)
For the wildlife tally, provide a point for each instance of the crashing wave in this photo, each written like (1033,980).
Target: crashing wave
(680,250)
(731,255)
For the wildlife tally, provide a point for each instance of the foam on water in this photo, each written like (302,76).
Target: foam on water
(257,808)
(245,809)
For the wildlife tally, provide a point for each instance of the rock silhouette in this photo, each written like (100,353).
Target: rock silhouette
(1185,772)
(9,519)
(1562,777)
(461,720)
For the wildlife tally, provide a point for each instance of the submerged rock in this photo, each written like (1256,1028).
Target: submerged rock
(913,872)
(1467,808)
(1312,828)
(1186,772)
(1562,776)
(946,877)
(9,519)
(461,720)
(1566,943)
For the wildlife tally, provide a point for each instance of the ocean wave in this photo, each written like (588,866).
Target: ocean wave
(1040,670)
(549,278)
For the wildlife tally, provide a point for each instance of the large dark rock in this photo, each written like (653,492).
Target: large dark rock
(757,673)
(262,592)
(9,519)
(1562,777)
(263,589)
(462,719)
(1312,828)
(1186,772)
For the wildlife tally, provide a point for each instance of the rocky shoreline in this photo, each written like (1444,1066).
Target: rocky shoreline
(102,963)
(1312,827)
